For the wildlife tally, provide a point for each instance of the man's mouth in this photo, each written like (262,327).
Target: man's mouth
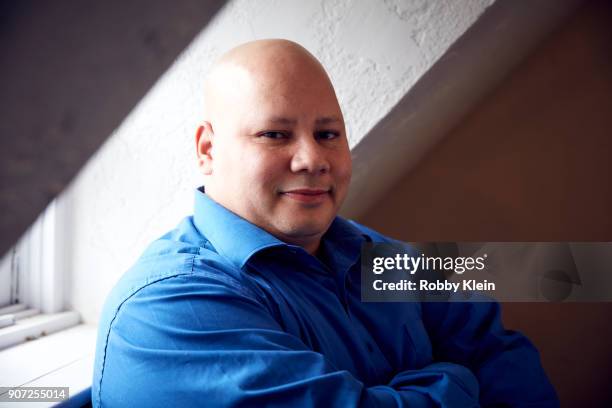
(308,195)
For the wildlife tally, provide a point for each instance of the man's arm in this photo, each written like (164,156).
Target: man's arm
(506,364)
(203,340)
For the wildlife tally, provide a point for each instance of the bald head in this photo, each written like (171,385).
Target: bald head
(264,66)
(269,57)
(273,145)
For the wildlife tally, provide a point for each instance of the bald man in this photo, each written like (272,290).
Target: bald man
(255,299)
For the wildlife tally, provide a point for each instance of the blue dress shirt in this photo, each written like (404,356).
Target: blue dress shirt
(218,312)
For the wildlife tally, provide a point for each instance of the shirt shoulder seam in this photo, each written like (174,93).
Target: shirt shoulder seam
(110,326)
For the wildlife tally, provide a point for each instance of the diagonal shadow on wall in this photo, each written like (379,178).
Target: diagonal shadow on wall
(71,71)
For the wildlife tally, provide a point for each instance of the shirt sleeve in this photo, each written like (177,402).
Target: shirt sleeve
(202,340)
(505,362)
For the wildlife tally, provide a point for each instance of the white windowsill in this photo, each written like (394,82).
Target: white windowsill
(36,326)
(63,359)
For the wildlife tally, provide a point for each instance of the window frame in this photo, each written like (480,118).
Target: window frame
(39,270)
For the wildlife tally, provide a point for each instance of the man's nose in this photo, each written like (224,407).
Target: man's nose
(309,156)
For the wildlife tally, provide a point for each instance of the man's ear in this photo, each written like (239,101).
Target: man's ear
(204,138)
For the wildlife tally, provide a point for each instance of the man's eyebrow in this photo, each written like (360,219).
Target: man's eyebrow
(280,120)
(326,120)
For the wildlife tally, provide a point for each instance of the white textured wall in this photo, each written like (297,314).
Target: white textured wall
(141,182)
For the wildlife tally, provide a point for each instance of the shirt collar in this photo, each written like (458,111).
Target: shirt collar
(342,244)
(231,235)
(238,239)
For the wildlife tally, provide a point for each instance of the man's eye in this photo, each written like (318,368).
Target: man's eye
(273,135)
(327,135)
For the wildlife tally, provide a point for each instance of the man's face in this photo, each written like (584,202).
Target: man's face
(280,155)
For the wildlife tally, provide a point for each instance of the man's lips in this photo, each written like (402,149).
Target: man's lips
(307,191)
(307,195)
